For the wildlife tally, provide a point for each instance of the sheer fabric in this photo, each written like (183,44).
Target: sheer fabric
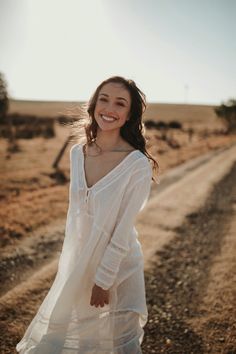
(100,246)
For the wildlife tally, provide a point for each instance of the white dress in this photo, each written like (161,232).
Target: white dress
(100,246)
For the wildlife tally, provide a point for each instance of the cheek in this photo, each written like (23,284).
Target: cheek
(97,108)
(125,114)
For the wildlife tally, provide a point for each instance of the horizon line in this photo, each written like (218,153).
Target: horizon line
(84,101)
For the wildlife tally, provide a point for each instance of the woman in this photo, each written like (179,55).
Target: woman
(97,301)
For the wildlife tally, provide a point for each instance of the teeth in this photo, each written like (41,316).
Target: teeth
(108,118)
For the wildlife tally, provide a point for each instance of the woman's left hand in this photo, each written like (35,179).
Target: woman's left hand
(99,296)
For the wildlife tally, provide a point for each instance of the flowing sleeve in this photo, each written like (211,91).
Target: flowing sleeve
(133,201)
(73,176)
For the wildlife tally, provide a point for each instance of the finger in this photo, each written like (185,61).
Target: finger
(92,302)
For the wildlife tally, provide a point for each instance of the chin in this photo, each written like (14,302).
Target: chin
(104,129)
(107,126)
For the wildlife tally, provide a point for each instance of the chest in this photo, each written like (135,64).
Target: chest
(96,168)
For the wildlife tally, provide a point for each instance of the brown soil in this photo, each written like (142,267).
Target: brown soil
(191,288)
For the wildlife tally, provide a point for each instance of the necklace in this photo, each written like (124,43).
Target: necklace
(102,151)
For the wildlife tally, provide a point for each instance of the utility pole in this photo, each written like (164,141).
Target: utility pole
(186,89)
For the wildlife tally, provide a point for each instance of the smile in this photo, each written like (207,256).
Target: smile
(108,119)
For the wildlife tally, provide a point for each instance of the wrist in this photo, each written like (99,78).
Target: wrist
(100,287)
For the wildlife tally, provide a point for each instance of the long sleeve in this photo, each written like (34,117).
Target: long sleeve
(133,201)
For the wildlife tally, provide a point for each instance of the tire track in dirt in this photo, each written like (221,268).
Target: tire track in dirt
(20,263)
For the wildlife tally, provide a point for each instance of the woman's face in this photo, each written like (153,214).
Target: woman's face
(112,106)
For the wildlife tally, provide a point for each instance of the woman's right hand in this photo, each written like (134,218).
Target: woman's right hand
(99,296)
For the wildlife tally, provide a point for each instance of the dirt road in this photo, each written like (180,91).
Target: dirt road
(187,236)
(191,287)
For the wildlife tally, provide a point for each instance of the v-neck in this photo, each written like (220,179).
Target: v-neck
(108,173)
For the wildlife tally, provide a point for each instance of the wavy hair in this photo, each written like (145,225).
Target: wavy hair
(133,130)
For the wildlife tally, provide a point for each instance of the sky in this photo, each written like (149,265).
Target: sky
(177,51)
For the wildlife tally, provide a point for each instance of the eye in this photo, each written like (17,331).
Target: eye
(120,104)
(103,99)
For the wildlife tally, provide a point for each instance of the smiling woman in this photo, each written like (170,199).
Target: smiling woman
(113,105)
(97,301)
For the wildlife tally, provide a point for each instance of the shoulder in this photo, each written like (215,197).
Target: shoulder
(142,166)
(142,160)
(74,148)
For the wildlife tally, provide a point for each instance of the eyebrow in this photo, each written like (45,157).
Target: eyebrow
(119,98)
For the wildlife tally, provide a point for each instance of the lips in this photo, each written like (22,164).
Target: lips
(108,118)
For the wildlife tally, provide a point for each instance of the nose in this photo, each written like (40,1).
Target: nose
(110,109)
(110,106)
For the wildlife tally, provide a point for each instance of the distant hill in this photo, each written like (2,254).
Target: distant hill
(186,113)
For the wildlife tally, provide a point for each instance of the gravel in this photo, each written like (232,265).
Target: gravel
(178,279)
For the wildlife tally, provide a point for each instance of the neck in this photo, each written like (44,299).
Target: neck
(109,140)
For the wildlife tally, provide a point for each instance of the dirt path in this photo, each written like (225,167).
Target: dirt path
(187,192)
(216,321)
(186,250)
(191,288)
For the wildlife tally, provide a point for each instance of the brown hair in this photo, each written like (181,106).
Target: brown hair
(132,131)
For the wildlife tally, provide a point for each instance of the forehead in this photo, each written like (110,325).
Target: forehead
(113,89)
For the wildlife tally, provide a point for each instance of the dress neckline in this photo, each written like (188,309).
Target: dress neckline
(108,173)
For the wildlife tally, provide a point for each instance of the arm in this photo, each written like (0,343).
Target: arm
(134,200)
